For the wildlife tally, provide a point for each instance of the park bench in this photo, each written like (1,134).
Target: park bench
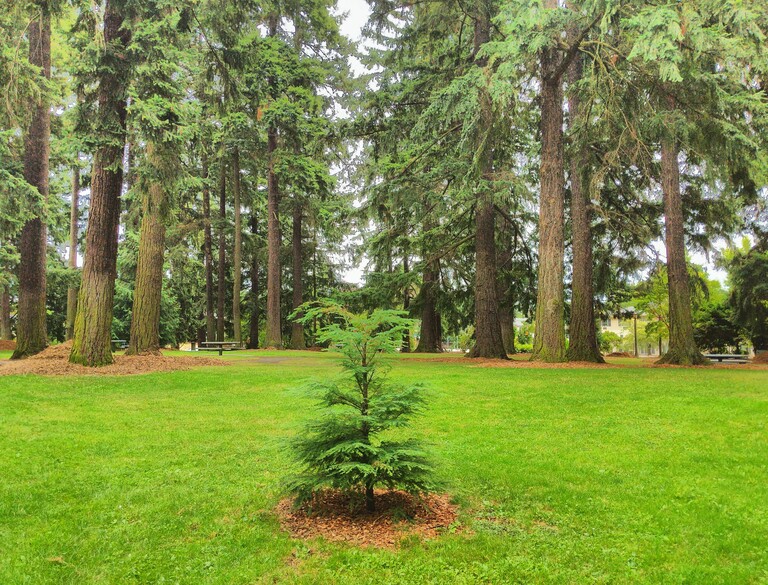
(731,358)
(118,344)
(220,346)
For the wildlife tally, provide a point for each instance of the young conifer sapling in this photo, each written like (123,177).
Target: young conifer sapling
(349,446)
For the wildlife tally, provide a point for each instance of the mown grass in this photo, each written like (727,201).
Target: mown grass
(632,475)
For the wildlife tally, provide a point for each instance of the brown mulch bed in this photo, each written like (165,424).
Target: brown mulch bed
(761,358)
(621,354)
(7,345)
(334,516)
(54,361)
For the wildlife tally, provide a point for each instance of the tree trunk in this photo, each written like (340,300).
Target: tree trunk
(297,329)
(488,340)
(5,313)
(74,217)
(274,332)
(406,345)
(93,324)
(582,345)
(147,294)
(682,348)
(237,275)
(210,321)
(31,332)
(504,293)
(253,338)
(274,328)
(222,268)
(549,340)
(430,338)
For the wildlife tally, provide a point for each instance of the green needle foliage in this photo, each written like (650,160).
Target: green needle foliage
(344,448)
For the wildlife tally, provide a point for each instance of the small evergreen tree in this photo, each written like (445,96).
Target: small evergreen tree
(343,448)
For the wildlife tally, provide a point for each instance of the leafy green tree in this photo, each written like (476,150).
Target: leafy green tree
(748,275)
(715,329)
(343,449)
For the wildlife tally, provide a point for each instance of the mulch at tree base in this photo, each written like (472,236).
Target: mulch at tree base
(336,517)
(761,358)
(54,361)
(7,345)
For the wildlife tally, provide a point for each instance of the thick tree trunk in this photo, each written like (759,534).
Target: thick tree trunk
(582,345)
(430,338)
(253,337)
(147,294)
(31,332)
(504,293)
(74,216)
(549,340)
(210,321)
(489,342)
(5,314)
(237,274)
(274,332)
(406,345)
(222,268)
(297,329)
(93,324)
(682,347)
(274,327)
(507,322)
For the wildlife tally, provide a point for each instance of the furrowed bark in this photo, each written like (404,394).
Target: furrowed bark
(93,323)
(583,330)
(253,337)
(5,313)
(549,340)
(74,216)
(222,268)
(297,329)
(682,348)
(488,340)
(31,331)
(274,335)
(237,274)
(147,295)
(210,321)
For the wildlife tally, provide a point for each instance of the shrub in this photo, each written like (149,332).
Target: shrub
(343,448)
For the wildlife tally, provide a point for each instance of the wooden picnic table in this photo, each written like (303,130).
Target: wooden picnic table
(735,358)
(220,346)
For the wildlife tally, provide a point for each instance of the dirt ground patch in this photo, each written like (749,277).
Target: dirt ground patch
(54,361)
(398,515)
(7,345)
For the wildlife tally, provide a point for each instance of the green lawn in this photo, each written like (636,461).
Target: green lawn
(633,475)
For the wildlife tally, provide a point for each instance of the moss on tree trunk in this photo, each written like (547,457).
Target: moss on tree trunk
(93,323)
(549,339)
(582,345)
(147,295)
(31,332)
(682,346)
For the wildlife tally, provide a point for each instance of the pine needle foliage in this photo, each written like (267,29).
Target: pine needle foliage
(346,447)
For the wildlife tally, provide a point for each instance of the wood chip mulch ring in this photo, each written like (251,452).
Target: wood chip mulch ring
(54,361)
(398,515)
